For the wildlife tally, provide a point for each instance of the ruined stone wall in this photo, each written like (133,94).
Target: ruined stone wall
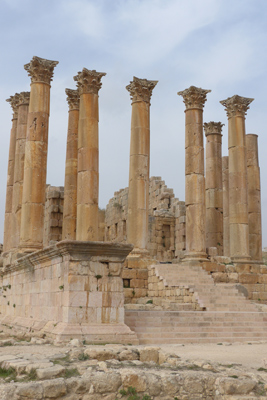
(166,220)
(53,215)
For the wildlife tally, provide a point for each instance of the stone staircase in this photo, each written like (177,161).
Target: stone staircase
(228,315)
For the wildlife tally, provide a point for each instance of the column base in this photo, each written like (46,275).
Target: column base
(195,256)
(241,259)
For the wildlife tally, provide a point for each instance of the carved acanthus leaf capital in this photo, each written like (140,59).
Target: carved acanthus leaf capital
(40,69)
(141,89)
(24,98)
(73,99)
(14,102)
(236,105)
(194,97)
(213,128)
(89,81)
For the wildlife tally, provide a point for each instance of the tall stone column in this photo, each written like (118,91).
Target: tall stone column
(194,99)
(89,83)
(34,185)
(226,229)
(23,109)
(254,198)
(236,108)
(8,224)
(138,197)
(214,189)
(70,187)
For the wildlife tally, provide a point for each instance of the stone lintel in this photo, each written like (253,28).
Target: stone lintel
(141,89)
(40,69)
(194,97)
(77,250)
(24,98)
(89,81)
(73,99)
(236,105)
(14,102)
(213,128)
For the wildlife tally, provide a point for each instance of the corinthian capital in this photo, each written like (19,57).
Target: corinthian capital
(14,102)
(141,89)
(73,99)
(213,128)
(40,69)
(24,98)
(89,81)
(194,97)
(236,105)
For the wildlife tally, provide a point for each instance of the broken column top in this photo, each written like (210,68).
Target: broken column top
(40,69)
(213,128)
(73,98)
(194,97)
(89,81)
(14,102)
(24,98)
(236,105)
(141,89)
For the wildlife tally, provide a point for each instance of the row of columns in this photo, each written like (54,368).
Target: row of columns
(227,184)
(231,192)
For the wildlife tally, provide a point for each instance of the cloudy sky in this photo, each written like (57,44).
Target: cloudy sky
(213,44)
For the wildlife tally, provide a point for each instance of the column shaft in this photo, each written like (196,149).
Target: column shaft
(70,187)
(138,198)
(194,99)
(23,108)
(35,164)
(226,229)
(236,108)
(214,190)
(254,198)
(9,223)
(88,83)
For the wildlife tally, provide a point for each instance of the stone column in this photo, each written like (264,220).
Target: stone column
(236,108)
(89,83)
(254,198)
(8,224)
(34,185)
(137,223)
(23,109)
(70,187)
(226,229)
(194,99)
(214,189)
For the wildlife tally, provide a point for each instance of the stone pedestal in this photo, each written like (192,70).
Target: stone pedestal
(214,189)
(137,223)
(34,185)
(236,108)
(89,83)
(23,109)
(226,229)
(70,187)
(9,217)
(70,290)
(254,198)
(194,99)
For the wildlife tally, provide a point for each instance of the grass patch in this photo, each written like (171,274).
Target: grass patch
(234,376)
(83,357)
(62,361)
(262,369)
(8,374)
(69,373)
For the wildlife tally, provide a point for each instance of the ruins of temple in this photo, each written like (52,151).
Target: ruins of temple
(189,270)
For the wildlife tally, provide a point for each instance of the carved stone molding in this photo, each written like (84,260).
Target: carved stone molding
(236,105)
(73,98)
(213,128)
(141,89)
(24,98)
(14,102)
(194,97)
(40,69)
(89,81)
